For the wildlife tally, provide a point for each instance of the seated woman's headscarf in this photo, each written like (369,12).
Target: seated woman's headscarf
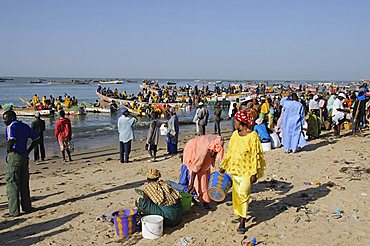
(159,192)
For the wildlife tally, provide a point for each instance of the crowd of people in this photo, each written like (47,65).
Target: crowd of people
(294,119)
(58,103)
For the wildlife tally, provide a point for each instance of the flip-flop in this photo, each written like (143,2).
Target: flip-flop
(235,221)
(241,230)
(139,192)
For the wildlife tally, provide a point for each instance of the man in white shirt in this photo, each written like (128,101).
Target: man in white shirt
(338,116)
(126,134)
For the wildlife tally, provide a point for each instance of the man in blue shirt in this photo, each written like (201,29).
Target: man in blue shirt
(16,169)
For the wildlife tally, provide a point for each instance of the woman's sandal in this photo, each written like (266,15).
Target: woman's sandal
(241,230)
(236,221)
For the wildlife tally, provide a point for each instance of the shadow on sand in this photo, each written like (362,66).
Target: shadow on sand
(23,235)
(265,210)
(74,199)
(4,205)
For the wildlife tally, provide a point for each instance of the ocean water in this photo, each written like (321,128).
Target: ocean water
(89,131)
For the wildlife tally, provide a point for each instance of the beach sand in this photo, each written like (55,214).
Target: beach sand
(283,210)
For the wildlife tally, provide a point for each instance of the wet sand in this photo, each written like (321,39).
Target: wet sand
(283,209)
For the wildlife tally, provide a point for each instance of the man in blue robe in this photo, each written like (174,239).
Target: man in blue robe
(293,120)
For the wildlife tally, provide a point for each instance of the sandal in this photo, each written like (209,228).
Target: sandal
(139,192)
(235,221)
(241,230)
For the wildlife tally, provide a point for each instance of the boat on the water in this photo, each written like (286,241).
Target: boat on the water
(73,82)
(131,81)
(128,101)
(39,81)
(29,112)
(171,82)
(111,82)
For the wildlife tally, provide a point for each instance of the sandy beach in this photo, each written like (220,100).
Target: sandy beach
(284,209)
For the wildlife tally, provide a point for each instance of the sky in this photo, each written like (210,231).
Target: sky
(194,39)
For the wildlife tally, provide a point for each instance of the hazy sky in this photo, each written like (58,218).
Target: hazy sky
(246,39)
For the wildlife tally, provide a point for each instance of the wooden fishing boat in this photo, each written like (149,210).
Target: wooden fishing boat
(73,82)
(131,81)
(39,81)
(125,101)
(29,112)
(115,82)
(171,82)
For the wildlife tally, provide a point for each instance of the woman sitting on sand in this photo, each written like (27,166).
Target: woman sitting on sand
(160,199)
(244,160)
(199,154)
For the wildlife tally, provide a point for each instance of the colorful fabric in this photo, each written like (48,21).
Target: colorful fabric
(197,158)
(244,116)
(265,108)
(241,191)
(244,156)
(313,125)
(161,193)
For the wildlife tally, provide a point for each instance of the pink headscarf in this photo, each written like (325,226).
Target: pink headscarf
(196,150)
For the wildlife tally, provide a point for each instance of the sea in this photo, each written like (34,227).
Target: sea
(90,131)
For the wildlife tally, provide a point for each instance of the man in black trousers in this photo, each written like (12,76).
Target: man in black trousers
(38,125)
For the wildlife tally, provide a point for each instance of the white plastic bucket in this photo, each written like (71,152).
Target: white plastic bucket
(163,129)
(152,226)
(266,146)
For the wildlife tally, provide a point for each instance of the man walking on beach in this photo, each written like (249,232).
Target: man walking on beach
(16,168)
(38,126)
(202,119)
(217,113)
(125,126)
(63,133)
(153,137)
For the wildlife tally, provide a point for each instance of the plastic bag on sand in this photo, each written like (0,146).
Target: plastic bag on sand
(185,241)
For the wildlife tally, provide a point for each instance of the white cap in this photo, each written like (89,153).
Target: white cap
(259,121)
(342,95)
(200,104)
(315,97)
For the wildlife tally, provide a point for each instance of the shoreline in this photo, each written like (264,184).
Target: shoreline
(69,196)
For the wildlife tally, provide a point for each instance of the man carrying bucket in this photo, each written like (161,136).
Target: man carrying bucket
(245,162)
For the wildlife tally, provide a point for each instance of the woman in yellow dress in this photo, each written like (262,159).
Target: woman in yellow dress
(245,162)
